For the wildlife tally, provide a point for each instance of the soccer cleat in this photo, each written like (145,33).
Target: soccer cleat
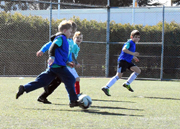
(43,100)
(106,91)
(20,91)
(128,87)
(75,104)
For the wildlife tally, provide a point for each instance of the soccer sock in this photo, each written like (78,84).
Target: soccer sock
(132,78)
(112,81)
(77,87)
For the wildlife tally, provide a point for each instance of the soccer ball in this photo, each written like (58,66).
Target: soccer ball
(86,100)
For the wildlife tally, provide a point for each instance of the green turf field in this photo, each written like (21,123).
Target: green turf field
(153,105)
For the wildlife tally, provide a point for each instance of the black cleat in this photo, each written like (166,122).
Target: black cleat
(20,91)
(43,100)
(75,104)
(128,87)
(106,91)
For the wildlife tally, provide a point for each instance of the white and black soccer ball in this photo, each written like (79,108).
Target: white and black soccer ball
(86,100)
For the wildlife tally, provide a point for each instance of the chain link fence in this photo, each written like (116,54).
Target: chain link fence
(98,55)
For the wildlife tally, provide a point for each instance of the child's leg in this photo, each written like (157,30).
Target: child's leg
(69,81)
(119,74)
(48,90)
(113,80)
(76,85)
(42,80)
(133,76)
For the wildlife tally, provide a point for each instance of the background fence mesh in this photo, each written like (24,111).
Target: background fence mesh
(18,50)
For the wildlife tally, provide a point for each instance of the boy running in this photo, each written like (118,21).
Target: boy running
(56,82)
(125,62)
(58,57)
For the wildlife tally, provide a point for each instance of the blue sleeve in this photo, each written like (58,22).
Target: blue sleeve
(46,47)
(70,57)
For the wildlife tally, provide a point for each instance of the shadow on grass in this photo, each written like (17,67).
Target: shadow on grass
(109,113)
(103,107)
(111,101)
(91,111)
(158,98)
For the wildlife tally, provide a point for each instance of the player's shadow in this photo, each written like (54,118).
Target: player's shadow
(108,107)
(86,111)
(109,113)
(111,101)
(166,98)
(105,107)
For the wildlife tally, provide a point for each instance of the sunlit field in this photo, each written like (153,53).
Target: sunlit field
(152,105)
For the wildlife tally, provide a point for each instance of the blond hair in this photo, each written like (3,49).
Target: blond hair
(78,33)
(74,25)
(135,32)
(64,25)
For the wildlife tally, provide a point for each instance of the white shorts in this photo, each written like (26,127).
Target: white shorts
(73,71)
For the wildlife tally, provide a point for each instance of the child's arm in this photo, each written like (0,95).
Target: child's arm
(126,47)
(43,49)
(129,52)
(136,59)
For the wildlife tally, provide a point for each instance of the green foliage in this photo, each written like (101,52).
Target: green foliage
(22,35)
(27,27)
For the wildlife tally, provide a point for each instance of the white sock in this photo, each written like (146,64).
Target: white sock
(132,78)
(112,81)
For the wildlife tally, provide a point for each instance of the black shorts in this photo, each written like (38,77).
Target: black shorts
(123,65)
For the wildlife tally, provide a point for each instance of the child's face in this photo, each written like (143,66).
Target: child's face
(136,38)
(68,33)
(72,33)
(78,39)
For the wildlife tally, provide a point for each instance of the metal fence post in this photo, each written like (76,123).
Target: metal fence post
(162,48)
(50,20)
(59,7)
(107,38)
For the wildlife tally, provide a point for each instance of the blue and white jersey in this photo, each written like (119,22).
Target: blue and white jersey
(131,46)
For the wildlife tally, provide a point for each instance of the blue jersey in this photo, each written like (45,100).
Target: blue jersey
(46,47)
(131,46)
(61,53)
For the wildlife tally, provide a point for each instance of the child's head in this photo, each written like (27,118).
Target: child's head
(74,28)
(65,27)
(135,35)
(78,38)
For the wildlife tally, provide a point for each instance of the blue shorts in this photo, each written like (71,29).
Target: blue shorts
(123,65)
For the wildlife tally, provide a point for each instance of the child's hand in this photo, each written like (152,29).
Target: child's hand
(39,53)
(50,61)
(136,53)
(136,59)
(70,64)
(78,65)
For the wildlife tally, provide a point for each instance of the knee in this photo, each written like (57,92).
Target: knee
(138,71)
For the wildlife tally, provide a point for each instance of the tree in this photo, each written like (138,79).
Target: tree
(44,4)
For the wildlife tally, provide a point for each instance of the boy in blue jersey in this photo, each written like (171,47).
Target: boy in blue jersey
(125,61)
(58,57)
(56,82)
